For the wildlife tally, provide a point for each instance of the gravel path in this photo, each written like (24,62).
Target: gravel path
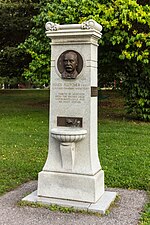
(125,212)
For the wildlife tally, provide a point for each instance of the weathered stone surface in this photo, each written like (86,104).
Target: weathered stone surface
(71,186)
(99,206)
(72,173)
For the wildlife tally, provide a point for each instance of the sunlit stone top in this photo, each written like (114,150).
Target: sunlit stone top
(87,25)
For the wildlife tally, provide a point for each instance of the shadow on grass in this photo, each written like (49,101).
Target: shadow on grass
(111,106)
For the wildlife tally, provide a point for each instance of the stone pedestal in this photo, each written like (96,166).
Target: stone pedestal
(70,186)
(72,171)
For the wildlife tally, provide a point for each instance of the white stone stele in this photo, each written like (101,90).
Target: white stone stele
(72,173)
(100,206)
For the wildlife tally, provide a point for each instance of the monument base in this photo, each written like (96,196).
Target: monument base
(100,206)
(73,187)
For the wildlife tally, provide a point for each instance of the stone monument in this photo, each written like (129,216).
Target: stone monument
(72,174)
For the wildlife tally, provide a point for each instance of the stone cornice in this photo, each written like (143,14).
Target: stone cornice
(85,27)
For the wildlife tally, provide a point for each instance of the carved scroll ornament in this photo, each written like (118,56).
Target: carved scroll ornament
(90,24)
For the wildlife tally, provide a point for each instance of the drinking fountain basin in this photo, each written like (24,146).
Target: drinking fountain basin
(68,134)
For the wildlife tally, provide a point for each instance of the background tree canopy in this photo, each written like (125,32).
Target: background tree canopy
(15,27)
(123,50)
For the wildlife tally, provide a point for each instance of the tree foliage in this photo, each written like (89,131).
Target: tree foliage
(15,27)
(124,47)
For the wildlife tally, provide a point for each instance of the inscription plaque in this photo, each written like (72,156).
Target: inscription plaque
(69,121)
(94,91)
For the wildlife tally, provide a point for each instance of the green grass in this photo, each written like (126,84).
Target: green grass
(124,152)
(124,144)
(145,218)
(23,136)
(54,207)
(124,148)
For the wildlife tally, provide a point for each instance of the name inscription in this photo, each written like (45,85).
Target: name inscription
(70,92)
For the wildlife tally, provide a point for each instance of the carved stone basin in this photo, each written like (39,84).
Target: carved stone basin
(68,134)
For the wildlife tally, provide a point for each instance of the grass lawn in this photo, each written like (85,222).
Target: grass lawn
(23,136)
(124,144)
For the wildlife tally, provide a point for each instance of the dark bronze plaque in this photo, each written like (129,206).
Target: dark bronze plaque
(94,91)
(70,64)
(69,121)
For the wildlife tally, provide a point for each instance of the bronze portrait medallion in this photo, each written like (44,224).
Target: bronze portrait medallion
(70,64)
